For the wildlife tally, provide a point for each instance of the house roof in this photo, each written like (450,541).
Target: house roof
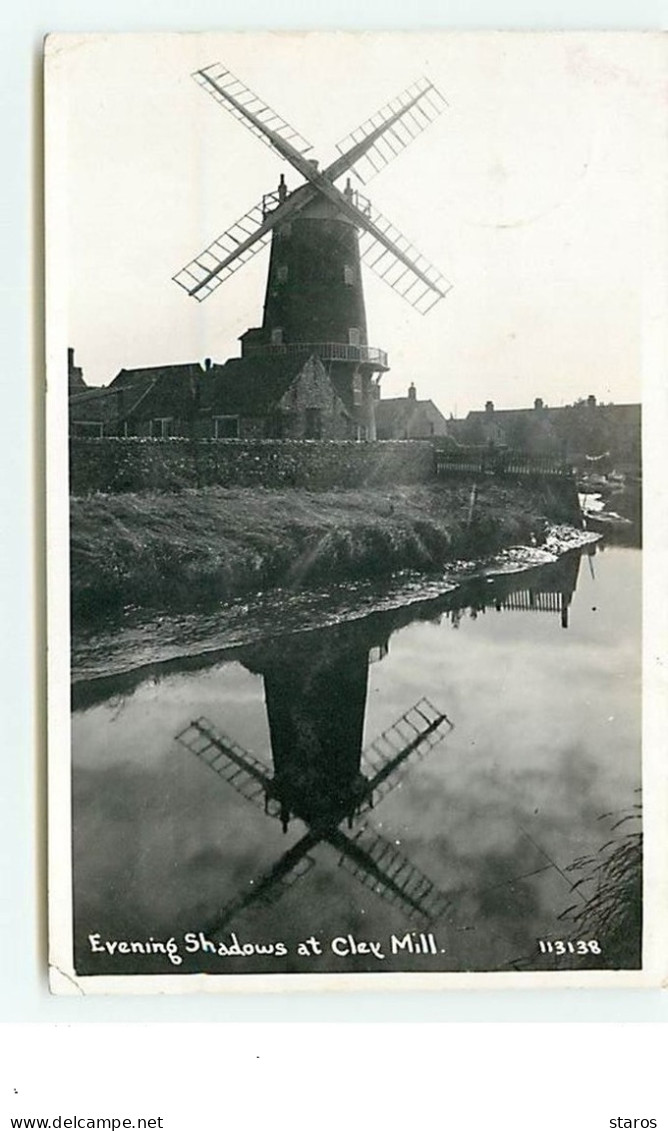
(248,386)
(396,412)
(94,403)
(148,373)
(240,387)
(90,393)
(508,414)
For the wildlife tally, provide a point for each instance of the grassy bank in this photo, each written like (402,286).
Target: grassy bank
(196,548)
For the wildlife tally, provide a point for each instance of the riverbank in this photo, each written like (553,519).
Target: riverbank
(196,549)
(119,654)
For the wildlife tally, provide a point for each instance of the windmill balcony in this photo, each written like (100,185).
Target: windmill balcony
(326,351)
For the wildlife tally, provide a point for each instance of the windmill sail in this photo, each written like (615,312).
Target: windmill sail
(385,871)
(235,97)
(240,769)
(409,739)
(225,255)
(371,859)
(269,887)
(400,265)
(368,857)
(381,137)
(395,127)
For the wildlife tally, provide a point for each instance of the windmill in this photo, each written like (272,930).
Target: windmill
(314,303)
(322,778)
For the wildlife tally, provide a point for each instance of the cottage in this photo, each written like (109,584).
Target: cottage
(120,409)
(573,432)
(289,397)
(407,418)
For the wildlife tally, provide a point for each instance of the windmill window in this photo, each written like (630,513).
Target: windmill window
(282,274)
(348,275)
(226,427)
(277,336)
(354,336)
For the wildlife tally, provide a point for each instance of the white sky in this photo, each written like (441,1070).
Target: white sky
(534,194)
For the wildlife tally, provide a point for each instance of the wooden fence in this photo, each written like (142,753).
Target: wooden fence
(498,461)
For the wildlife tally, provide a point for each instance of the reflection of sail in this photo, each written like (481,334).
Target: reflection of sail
(368,857)
(249,776)
(384,870)
(269,887)
(316,697)
(412,736)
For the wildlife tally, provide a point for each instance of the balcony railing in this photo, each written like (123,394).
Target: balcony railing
(326,351)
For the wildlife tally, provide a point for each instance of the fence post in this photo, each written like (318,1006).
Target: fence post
(472,502)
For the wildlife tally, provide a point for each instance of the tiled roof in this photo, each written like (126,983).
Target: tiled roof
(396,412)
(153,372)
(248,386)
(511,413)
(240,387)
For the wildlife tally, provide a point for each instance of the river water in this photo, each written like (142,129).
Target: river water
(511,720)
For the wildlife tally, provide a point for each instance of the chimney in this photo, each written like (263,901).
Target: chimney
(489,407)
(591,401)
(207,364)
(412,392)
(538,404)
(75,379)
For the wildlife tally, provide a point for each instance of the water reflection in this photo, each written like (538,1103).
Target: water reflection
(547,590)
(309,733)
(315,694)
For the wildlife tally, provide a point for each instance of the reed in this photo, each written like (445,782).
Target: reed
(610,885)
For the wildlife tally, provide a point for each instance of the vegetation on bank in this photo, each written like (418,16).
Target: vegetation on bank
(196,548)
(611,887)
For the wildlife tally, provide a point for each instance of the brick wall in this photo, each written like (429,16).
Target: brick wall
(119,465)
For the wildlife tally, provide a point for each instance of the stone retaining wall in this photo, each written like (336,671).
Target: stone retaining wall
(123,465)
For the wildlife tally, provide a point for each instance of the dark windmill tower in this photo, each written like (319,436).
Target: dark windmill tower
(314,302)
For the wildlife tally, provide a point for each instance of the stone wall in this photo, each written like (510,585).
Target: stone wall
(312,389)
(119,465)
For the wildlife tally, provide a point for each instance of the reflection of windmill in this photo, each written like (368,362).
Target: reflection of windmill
(314,300)
(321,778)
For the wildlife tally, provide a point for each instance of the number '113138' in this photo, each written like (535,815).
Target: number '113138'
(559,946)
